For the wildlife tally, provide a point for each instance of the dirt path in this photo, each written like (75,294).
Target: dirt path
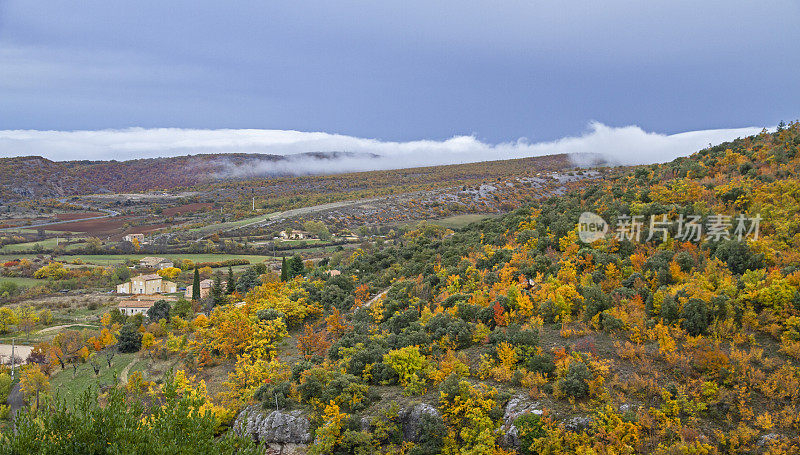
(64,326)
(123,376)
(376,298)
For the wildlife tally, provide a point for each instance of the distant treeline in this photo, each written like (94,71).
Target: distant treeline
(218,264)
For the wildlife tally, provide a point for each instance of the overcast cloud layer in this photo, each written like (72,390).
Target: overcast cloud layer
(399,69)
(623,145)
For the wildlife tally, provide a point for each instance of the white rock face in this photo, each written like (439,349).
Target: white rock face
(412,417)
(516,408)
(277,427)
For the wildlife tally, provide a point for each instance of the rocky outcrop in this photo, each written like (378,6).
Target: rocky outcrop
(516,408)
(768,439)
(285,449)
(411,418)
(579,424)
(276,427)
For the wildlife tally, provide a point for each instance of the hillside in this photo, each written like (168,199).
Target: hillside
(32,177)
(674,334)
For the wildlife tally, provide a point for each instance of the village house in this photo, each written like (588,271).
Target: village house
(205,289)
(147,284)
(139,304)
(155,263)
(131,237)
(295,234)
(131,307)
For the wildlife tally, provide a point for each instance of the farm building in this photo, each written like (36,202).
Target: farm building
(295,234)
(135,306)
(205,288)
(131,237)
(147,284)
(155,263)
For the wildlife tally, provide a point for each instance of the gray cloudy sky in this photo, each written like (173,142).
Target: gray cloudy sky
(396,71)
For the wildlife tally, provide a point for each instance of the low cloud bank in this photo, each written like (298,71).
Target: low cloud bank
(622,145)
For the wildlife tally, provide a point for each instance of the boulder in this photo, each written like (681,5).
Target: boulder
(411,418)
(579,423)
(516,408)
(768,439)
(276,427)
(286,449)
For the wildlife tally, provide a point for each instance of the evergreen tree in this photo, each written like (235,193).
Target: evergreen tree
(247,281)
(159,310)
(129,340)
(296,267)
(196,285)
(231,287)
(284,270)
(217,294)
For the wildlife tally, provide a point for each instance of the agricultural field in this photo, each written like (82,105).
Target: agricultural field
(50,243)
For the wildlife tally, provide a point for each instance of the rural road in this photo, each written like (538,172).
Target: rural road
(287,214)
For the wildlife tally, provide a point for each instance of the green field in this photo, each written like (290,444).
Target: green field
(68,387)
(29,246)
(27,282)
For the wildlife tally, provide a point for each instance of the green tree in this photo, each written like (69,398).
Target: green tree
(159,311)
(231,285)
(296,267)
(196,285)
(217,293)
(284,270)
(129,340)
(575,382)
(695,317)
(182,308)
(121,274)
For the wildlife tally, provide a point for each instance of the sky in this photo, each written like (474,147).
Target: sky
(407,73)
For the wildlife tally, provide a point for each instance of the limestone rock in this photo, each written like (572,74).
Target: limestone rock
(516,408)
(768,439)
(579,423)
(411,418)
(276,427)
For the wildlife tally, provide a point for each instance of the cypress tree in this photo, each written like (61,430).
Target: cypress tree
(231,288)
(284,270)
(196,285)
(216,291)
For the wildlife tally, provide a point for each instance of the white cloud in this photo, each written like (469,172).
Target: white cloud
(623,145)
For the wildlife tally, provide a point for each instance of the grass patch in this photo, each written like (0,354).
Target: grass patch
(69,386)
(47,244)
(460,221)
(20,281)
